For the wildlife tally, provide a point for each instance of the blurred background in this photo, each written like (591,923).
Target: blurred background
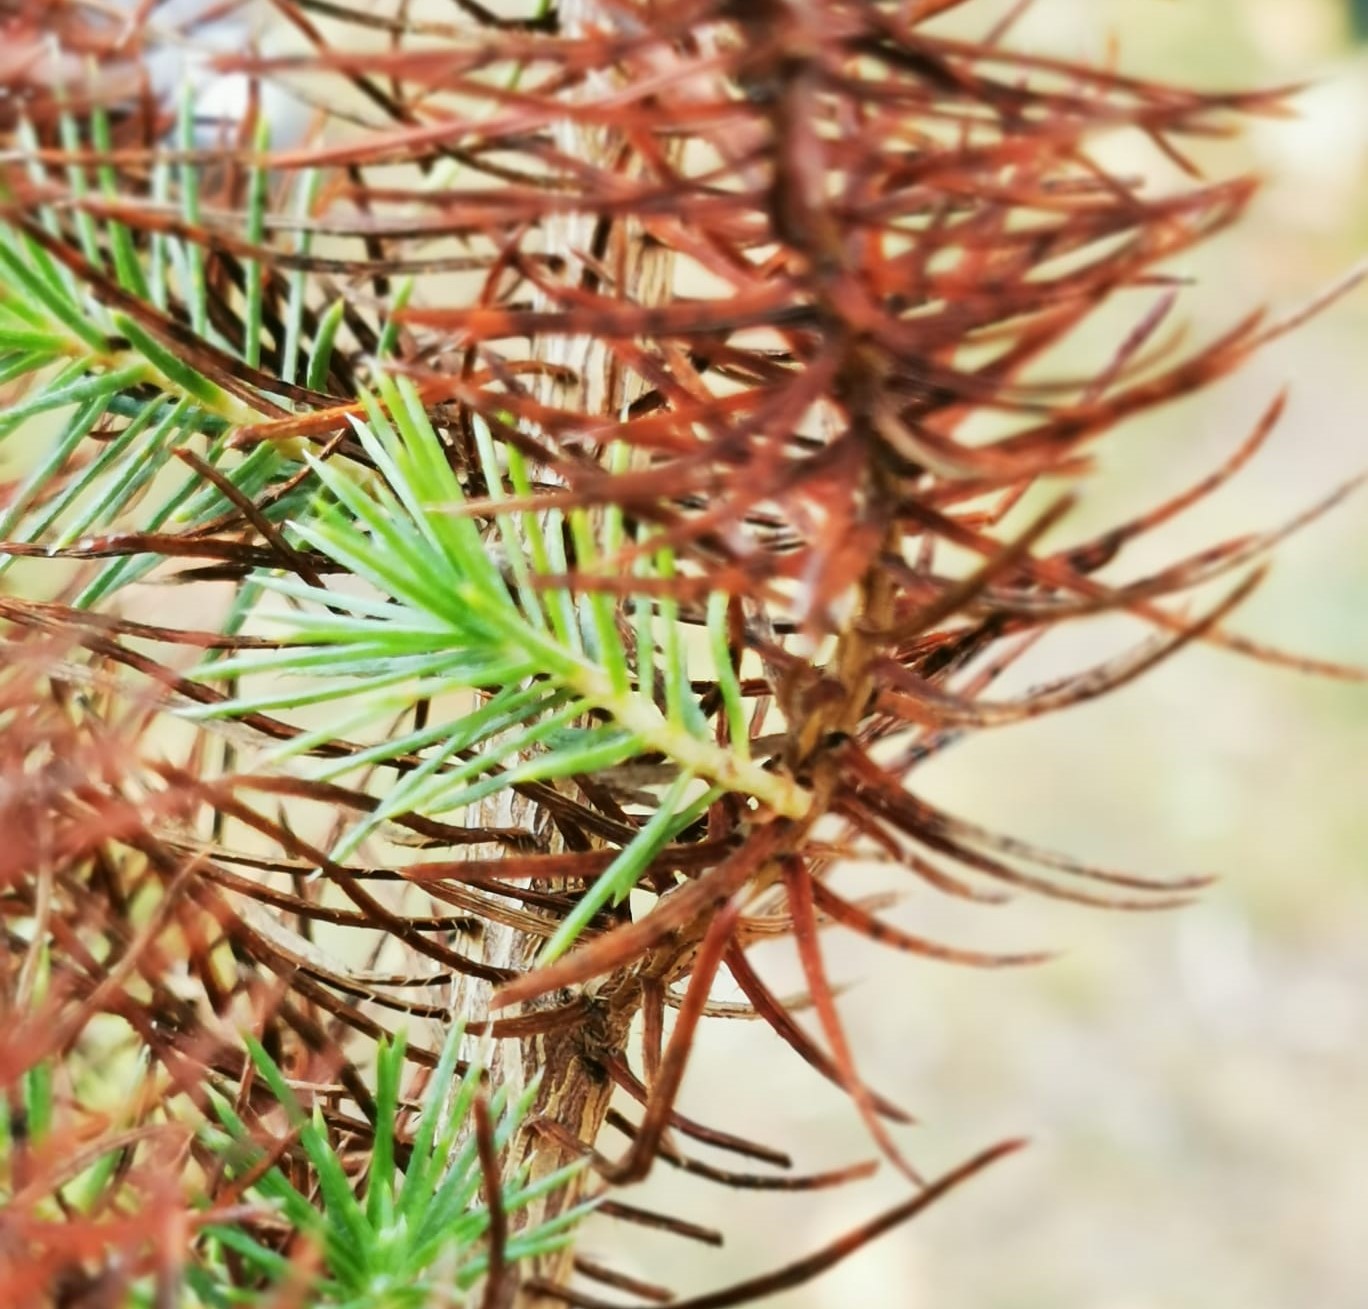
(1195,1084)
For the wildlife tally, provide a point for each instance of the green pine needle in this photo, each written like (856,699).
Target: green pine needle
(396,1235)
(442,619)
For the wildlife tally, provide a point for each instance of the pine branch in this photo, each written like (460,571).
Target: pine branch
(581,631)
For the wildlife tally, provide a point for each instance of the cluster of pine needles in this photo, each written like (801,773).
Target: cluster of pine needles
(493,529)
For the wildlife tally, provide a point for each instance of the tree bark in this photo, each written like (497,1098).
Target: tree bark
(574,1090)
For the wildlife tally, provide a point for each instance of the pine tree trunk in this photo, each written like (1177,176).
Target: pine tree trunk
(574,1090)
